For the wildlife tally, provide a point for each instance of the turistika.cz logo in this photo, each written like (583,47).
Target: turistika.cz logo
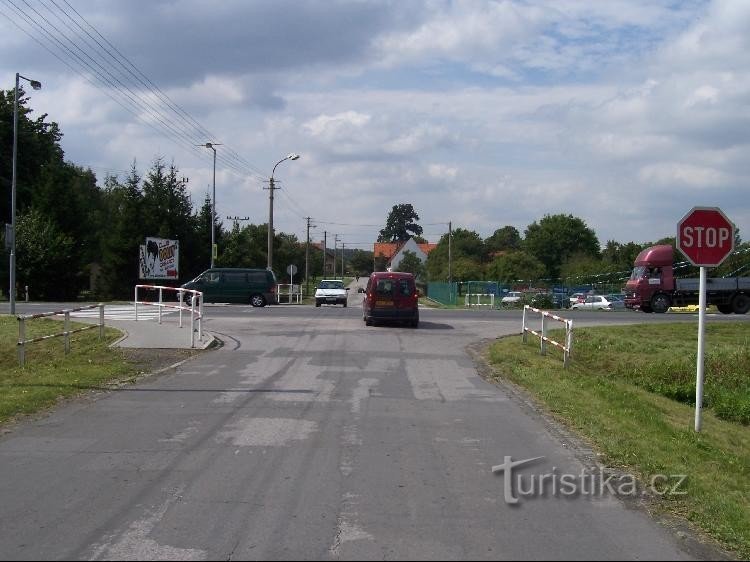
(597,483)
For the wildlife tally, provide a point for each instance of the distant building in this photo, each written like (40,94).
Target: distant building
(329,257)
(393,252)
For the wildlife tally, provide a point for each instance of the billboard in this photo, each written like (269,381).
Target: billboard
(159,259)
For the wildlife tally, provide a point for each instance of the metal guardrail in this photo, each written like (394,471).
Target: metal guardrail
(566,347)
(294,292)
(22,341)
(467,298)
(195,308)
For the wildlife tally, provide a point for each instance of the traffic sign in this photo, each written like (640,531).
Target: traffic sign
(291,269)
(705,236)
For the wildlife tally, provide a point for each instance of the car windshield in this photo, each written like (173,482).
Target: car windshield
(331,285)
(638,272)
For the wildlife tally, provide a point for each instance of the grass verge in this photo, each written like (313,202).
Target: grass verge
(619,394)
(49,374)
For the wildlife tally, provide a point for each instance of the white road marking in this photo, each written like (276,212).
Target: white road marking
(133,543)
(267,432)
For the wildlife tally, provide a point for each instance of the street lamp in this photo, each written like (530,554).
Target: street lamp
(12,293)
(213,202)
(269,265)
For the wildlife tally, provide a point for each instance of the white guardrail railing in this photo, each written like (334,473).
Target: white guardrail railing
(22,341)
(467,299)
(566,347)
(195,308)
(293,293)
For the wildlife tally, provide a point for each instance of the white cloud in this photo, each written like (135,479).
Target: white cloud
(335,126)
(442,172)
(674,174)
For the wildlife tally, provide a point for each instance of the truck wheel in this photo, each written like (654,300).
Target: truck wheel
(741,304)
(725,308)
(660,303)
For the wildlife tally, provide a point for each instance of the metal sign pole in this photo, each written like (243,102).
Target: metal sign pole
(701,349)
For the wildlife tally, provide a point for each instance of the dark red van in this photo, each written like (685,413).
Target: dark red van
(391,296)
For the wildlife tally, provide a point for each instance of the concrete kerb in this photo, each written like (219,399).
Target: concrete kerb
(149,334)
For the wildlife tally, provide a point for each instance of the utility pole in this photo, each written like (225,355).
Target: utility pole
(307,256)
(325,246)
(269,261)
(450,272)
(343,245)
(335,247)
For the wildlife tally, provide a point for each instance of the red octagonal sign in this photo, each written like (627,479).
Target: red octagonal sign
(706,236)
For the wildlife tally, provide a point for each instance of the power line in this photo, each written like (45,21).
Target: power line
(297,210)
(123,83)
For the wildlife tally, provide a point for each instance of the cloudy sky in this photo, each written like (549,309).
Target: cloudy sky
(625,114)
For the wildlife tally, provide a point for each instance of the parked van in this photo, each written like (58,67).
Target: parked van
(391,296)
(223,284)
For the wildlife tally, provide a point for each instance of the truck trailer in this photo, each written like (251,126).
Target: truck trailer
(652,286)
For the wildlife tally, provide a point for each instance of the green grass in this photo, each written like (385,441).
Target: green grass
(49,374)
(628,389)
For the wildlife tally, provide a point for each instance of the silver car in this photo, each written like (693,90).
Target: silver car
(593,302)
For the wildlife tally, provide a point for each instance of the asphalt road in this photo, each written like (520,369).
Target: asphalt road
(310,436)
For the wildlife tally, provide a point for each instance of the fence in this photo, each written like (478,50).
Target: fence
(22,341)
(566,348)
(294,292)
(196,306)
(479,298)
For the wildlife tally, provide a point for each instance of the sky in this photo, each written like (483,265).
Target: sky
(625,114)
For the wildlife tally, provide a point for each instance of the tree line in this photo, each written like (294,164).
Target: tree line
(557,249)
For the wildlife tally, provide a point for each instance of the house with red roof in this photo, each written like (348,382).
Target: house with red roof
(393,252)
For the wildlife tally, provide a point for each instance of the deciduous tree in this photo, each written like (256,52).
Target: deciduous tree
(556,237)
(400,225)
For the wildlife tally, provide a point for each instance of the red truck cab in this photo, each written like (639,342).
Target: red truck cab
(652,274)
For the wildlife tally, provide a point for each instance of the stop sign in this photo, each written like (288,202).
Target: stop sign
(706,236)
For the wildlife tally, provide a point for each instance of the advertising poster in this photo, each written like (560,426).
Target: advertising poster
(159,259)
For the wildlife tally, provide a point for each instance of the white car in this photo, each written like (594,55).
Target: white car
(331,291)
(511,298)
(593,302)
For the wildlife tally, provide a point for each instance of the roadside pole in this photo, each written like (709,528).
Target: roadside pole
(701,349)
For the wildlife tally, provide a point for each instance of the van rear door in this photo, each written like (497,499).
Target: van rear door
(406,294)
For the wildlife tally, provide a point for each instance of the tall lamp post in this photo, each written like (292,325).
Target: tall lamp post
(211,145)
(271,187)
(12,293)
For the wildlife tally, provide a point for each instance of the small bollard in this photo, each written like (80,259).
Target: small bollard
(27,293)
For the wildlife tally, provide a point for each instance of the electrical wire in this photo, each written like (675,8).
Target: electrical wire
(89,57)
